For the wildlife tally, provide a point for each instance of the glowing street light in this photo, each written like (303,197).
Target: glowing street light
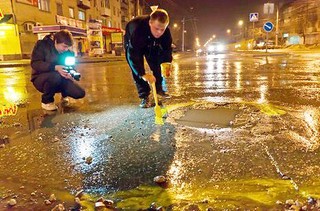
(175,25)
(228,31)
(214,36)
(240,23)
(197,42)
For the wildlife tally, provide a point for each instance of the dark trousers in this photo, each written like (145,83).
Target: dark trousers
(52,82)
(143,86)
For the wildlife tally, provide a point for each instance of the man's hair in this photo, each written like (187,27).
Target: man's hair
(64,36)
(160,15)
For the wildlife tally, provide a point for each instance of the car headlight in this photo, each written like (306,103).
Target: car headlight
(211,48)
(220,48)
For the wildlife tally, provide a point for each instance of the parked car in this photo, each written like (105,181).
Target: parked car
(262,45)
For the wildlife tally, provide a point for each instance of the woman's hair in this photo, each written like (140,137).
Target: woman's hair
(160,15)
(64,36)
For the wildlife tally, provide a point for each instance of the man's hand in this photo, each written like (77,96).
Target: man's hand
(60,69)
(148,77)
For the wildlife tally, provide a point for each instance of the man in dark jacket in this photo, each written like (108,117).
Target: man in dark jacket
(48,72)
(149,37)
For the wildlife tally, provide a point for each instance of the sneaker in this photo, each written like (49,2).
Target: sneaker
(164,95)
(145,103)
(49,106)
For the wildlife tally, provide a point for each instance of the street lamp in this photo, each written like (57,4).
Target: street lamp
(228,31)
(214,36)
(175,25)
(197,42)
(240,23)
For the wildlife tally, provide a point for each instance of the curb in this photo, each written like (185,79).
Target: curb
(14,65)
(22,64)
(272,54)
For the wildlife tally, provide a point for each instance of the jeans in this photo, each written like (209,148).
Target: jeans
(143,86)
(52,82)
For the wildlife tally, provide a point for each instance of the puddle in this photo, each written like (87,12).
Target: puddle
(207,118)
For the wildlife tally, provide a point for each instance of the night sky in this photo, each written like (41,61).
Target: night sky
(213,16)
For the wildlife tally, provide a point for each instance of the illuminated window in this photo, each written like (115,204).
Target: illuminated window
(71,12)
(82,15)
(44,5)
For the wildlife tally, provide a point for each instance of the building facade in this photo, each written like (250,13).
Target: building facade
(301,22)
(97,24)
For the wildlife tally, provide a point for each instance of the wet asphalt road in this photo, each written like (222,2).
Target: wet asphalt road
(263,149)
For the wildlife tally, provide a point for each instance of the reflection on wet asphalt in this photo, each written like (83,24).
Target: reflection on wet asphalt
(265,150)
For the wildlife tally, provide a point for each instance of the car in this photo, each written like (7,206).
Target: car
(262,45)
(215,47)
(200,52)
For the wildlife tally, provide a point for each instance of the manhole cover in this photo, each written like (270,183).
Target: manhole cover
(206,118)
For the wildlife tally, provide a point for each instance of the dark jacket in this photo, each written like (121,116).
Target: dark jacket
(140,42)
(44,57)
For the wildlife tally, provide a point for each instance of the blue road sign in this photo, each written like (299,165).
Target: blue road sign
(268,26)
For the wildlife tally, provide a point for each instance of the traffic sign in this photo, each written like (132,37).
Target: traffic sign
(254,17)
(154,7)
(268,26)
(268,8)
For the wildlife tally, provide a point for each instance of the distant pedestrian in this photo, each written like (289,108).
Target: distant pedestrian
(48,71)
(80,48)
(149,37)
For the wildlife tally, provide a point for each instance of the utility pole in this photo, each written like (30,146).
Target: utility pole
(137,9)
(253,30)
(277,25)
(182,45)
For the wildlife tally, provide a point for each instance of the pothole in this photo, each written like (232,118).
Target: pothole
(199,118)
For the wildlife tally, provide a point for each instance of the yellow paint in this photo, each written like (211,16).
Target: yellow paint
(158,120)
(262,193)
(9,39)
(267,108)
(270,110)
